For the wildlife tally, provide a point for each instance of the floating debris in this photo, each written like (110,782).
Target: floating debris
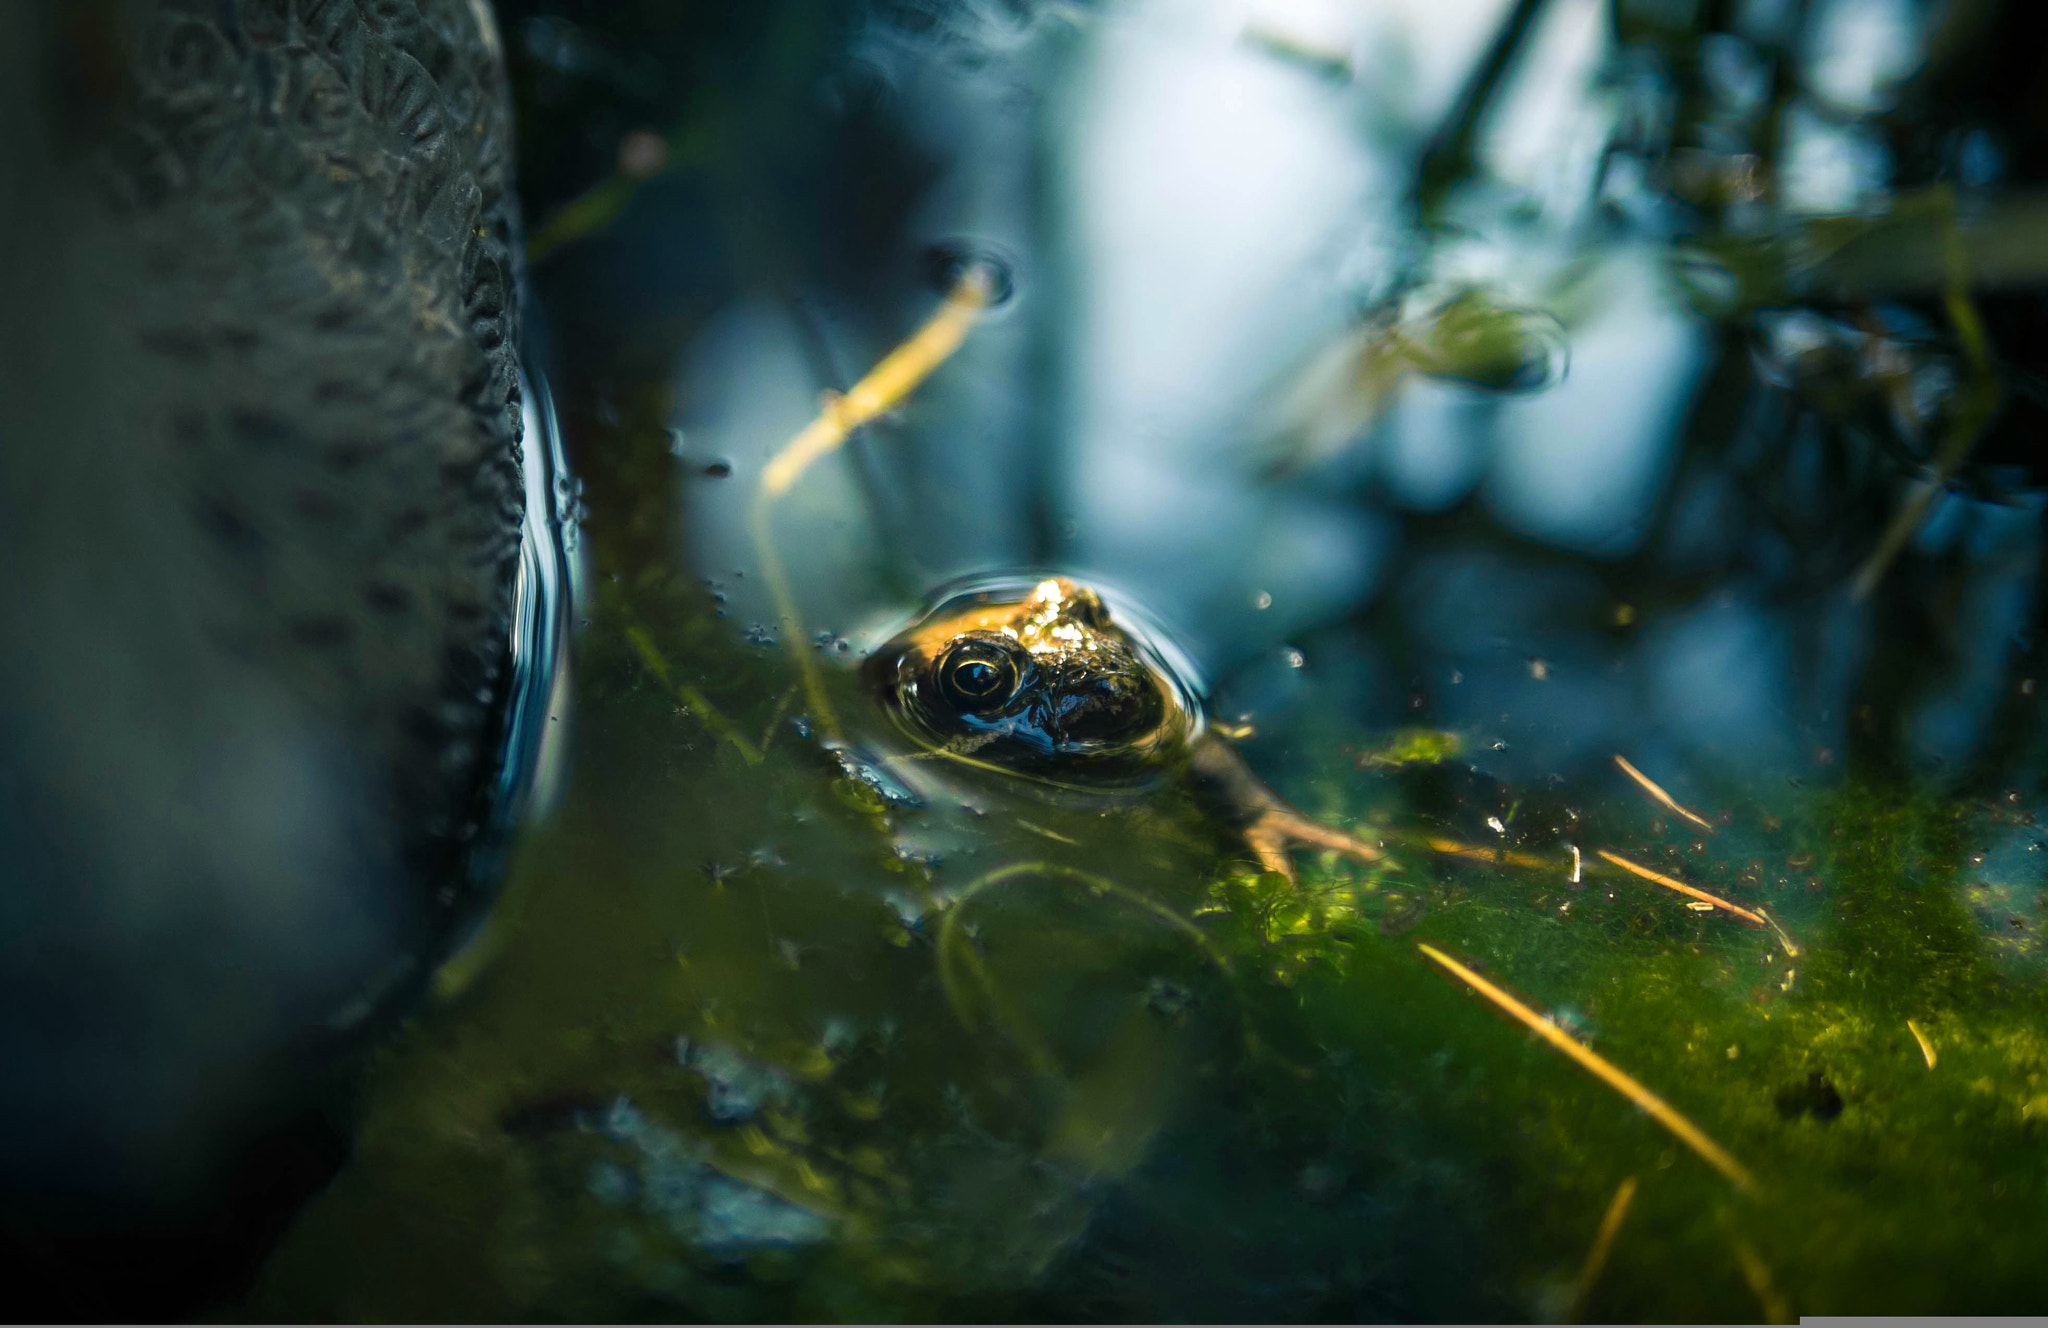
(735,1217)
(1784,937)
(1501,856)
(1307,53)
(869,771)
(736,1089)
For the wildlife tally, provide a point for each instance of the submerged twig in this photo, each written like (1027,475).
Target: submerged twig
(1602,1069)
(1603,1245)
(1660,797)
(898,374)
(775,718)
(593,210)
(603,203)
(694,701)
(1449,156)
(1453,848)
(1758,1274)
(788,625)
(1980,401)
(1673,883)
(953,955)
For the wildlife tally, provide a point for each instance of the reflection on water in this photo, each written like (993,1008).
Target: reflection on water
(548,585)
(1480,391)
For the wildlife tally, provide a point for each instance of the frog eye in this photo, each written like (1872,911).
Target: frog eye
(978,676)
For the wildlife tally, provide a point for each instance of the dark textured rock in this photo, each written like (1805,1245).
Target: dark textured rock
(260,502)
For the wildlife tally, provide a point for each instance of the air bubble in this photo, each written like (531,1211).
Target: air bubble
(1472,341)
(1709,285)
(948,261)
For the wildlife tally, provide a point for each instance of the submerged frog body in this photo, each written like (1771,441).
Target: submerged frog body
(1049,685)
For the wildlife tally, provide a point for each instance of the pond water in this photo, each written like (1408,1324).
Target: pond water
(1584,449)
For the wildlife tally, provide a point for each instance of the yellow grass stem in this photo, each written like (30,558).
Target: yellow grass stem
(1926,1047)
(1673,883)
(1660,797)
(1600,1068)
(885,386)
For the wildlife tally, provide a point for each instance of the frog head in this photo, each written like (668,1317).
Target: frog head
(1043,682)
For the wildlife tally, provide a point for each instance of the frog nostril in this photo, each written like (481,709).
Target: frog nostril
(1104,711)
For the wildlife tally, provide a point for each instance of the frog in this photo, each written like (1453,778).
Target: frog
(1052,685)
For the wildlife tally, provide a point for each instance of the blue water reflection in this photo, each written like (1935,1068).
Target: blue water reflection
(1193,206)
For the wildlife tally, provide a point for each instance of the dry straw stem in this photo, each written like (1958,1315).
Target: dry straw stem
(1660,797)
(899,373)
(886,385)
(1600,1068)
(1976,403)
(1673,883)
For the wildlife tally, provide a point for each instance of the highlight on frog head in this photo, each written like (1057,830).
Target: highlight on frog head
(1041,678)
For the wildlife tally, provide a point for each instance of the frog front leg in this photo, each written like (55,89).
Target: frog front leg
(1270,827)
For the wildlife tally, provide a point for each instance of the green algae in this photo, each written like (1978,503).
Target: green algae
(714,965)
(1173,1092)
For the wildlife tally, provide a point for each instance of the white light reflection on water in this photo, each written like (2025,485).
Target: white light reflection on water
(1213,187)
(1833,167)
(1548,129)
(1859,51)
(2000,544)
(1583,465)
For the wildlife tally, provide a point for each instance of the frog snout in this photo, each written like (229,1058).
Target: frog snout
(1089,709)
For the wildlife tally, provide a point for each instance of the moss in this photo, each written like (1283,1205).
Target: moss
(1245,1098)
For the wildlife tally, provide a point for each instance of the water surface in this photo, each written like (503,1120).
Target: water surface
(1481,393)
